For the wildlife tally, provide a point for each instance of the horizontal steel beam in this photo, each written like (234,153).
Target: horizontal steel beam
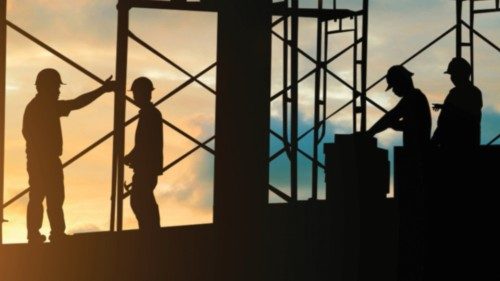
(183,5)
(281,9)
(481,11)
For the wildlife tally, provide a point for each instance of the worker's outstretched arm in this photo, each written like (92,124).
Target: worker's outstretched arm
(390,120)
(381,125)
(398,125)
(86,99)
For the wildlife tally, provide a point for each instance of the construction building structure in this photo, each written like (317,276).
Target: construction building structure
(249,237)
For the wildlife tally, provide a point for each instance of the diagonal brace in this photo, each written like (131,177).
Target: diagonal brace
(169,61)
(175,162)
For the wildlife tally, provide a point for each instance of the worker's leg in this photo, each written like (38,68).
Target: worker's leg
(55,199)
(34,214)
(152,215)
(137,198)
(143,202)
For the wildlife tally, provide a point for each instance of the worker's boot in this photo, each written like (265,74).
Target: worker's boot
(37,238)
(58,238)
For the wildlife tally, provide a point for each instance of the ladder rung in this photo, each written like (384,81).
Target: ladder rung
(466,44)
(359,62)
(339,31)
(358,109)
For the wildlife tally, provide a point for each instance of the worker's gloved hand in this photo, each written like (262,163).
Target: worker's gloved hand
(108,85)
(437,106)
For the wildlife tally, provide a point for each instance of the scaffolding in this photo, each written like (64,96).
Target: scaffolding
(119,189)
(359,86)
(288,13)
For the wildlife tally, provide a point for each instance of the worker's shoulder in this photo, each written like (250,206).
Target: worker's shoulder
(417,97)
(467,89)
(156,112)
(476,90)
(419,93)
(32,105)
(152,112)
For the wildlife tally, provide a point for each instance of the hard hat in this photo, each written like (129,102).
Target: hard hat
(142,83)
(396,73)
(459,65)
(48,76)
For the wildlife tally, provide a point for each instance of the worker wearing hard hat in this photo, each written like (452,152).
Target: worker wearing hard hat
(459,123)
(411,115)
(44,146)
(146,158)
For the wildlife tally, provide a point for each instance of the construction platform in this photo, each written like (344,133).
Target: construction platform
(298,246)
(459,205)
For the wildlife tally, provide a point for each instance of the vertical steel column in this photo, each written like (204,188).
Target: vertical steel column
(317,102)
(355,77)
(459,29)
(3,70)
(325,80)
(286,98)
(242,146)
(471,37)
(119,117)
(364,65)
(294,100)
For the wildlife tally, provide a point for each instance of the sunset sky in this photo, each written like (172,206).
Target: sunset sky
(85,31)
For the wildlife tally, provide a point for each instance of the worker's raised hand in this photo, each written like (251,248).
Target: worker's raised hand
(108,85)
(437,106)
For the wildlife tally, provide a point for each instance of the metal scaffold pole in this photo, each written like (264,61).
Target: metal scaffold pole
(471,37)
(318,103)
(3,62)
(364,64)
(294,101)
(459,29)
(119,117)
(355,75)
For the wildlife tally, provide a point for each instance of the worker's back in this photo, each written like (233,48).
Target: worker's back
(460,118)
(417,120)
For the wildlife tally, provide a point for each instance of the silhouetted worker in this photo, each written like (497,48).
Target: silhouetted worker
(146,158)
(459,123)
(411,116)
(44,145)
(455,171)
